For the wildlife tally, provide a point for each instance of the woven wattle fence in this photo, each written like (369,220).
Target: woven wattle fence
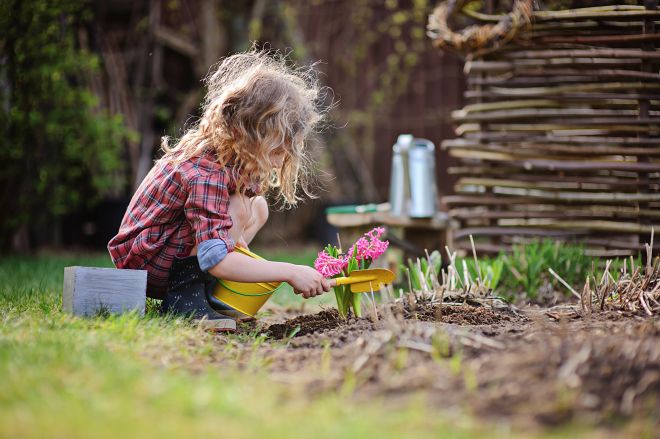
(561,134)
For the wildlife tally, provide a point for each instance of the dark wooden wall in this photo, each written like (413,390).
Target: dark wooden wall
(433,85)
(436,89)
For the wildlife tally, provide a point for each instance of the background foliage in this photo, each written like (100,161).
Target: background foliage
(58,150)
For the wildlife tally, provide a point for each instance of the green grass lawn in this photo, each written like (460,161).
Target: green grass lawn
(131,376)
(62,376)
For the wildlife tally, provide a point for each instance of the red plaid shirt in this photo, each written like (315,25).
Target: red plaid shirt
(174,208)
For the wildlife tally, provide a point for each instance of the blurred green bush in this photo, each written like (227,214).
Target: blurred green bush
(58,149)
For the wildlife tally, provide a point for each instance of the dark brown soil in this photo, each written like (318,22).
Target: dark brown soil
(558,373)
(544,367)
(327,320)
(305,324)
(454,314)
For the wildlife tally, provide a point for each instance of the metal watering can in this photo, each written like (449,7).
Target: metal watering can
(413,189)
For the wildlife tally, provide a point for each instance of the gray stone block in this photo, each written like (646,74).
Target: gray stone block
(90,290)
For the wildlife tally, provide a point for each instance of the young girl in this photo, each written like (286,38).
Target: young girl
(204,196)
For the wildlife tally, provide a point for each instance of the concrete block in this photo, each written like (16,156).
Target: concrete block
(90,290)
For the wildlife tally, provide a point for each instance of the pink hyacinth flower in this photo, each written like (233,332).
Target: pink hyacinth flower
(369,246)
(376,233)
(360,248)
(327,265)
(376,248)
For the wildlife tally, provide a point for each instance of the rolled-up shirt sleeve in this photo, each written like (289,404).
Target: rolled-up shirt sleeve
(207,210)
(210,253)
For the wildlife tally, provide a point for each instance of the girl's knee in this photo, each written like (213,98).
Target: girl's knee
(259,210)
(248,212)
(239,209)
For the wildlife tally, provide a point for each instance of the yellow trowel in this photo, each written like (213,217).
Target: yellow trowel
(365,281)
(361,281)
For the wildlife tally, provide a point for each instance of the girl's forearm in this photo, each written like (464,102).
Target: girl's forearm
(242,268)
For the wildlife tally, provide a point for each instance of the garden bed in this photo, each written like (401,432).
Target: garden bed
(544,366)
(329,319)
(473,368)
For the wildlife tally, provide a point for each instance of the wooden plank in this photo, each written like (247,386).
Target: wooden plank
(509,104)
(489,136)
(487,169)
(537,149)
(613,243)
(570,164)
(575,196)
(552,210)
(486,96)
(438,222)
(472,67)
(628,121)
(558,129)
(589,225)
(580,14)
(351,219)
(621,116)
(514,231)
(563,18)
(595,247)
(529,77)
(492,200)
(583,53)
(557,185)
(481,95)
(581,102)
(522,155)
(87,291)
(586,27)
(600,39)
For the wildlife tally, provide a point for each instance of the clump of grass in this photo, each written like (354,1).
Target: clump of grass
(526,268)
(429,282)
(521,275)
(631,286)
(525,275)
(423,272)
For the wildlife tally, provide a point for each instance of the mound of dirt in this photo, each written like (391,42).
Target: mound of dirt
(329,320)
(305,324)
(454,314)
(554,377)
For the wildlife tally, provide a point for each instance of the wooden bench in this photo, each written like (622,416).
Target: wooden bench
(412,235)
(89,291)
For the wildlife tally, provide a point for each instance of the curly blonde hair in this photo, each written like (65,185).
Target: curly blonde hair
(256,105)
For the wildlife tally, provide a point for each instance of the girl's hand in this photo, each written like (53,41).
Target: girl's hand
(307,281)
